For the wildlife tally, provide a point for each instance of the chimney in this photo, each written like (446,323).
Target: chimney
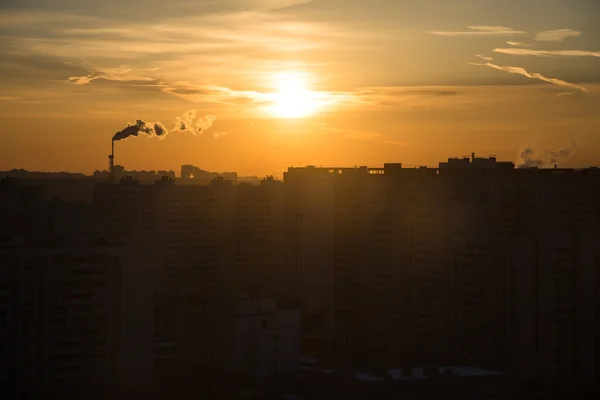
(472,157)
(111,162)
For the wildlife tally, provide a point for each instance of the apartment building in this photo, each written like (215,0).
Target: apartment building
(224,347)
(216,237)
(61,313)
(25,213)
(258,241)
(437,265)
(553,274)
(310,199)
(211,243)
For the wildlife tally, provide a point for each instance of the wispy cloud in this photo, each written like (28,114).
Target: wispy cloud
(227,47)
(522,44)
(408,97)
(484,57)
(394,96)
(531,75)
(481,31)
(548,53)
(557,35)
(196,92)
(120,74)
(259,100)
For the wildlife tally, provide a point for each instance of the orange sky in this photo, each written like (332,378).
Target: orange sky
(407,81)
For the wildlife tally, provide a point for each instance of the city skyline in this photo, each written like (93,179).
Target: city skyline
(528,158)
(280,83)
(473,277)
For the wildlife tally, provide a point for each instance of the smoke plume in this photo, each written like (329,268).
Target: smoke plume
(156,129)
(561,154)
(196,126)
(185,123)
(530,158)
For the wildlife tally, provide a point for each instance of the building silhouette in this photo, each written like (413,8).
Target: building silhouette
(162,287)
(62,313)
(474,262)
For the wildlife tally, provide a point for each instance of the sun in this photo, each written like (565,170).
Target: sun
(292,97)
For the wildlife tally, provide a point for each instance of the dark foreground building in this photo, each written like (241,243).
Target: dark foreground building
(215,290)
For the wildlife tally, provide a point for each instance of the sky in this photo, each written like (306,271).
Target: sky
(256,86)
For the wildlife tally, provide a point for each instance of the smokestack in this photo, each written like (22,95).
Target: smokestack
(111,157)
(111,161)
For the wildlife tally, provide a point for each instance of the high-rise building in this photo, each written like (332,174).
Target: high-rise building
(212,243)
(210,238)
(232,345)
(310,201)
(474,262)
(61,308)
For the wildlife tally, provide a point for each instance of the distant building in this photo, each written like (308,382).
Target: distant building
(194,175)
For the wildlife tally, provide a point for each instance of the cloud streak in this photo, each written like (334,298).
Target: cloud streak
(484,57)
(260,101)
(481,31)
(548,53)
(531,75)
(120,74)
(557,35)
(238,47)
(239,31)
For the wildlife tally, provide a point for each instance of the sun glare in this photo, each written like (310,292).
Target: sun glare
(292,97)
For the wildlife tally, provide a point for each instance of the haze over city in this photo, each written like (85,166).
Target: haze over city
(275,83)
